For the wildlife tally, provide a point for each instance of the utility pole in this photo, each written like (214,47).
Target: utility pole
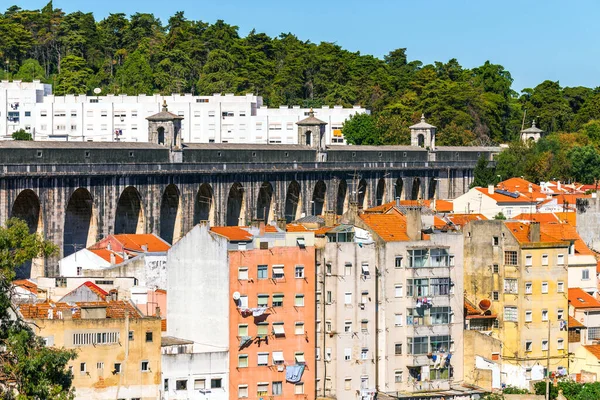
(548,364)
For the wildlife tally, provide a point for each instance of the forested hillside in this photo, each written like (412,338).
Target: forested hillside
(140,54)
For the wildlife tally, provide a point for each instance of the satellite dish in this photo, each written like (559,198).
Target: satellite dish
(485,304)
(236,296)
(97,90)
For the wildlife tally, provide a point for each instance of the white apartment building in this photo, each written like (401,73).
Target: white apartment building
(207,119)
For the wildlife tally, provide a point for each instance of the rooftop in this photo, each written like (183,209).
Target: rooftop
(594,349)
(114,309)
(520,231)
(390,227)
(573,323)
(134,242)
(233,233)
(578,298)
(106,255)
(422,124)
(173,341)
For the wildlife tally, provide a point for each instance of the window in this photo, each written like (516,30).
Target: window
(585,274)
(181,385)
(263,271)
(495,268)
(243,273)
(544,315)
(299,328)
(93,338)
(364,353)
(528,316)
(299,357)
(299,300)
(117,368)
(211,113)
(544,345)
(278,329)
(560,287)
(148,336)
(348,384)
(243,301)
(328,354)
(560,259)
(440,286)
(511,286)
(544,259)
(560,344)
(328,268)
(299,388)
(199,384)
(278,300)
(364,325)
(263,300)
(398,292)
(417,287)
(262,329)
(439,315)
(440,344)
(511,313)
(243,330)
(130,335)
(495,241)
(417,258)
(82,368)
(278,272)
(328,298)
(398,262)
(242,245)
(145,366)
(365,270)
(528,260)
(347,354)
(262,389)
(510,258)
(216,383)
(418,345)
(398,376)
(528,288)
(544,287)
(398,319)
(560,313)
(278,358)
(60,282)
(277,388)
(263,359)
(348,298)
(99,365)
(318,353)
(348,326)
(528,345)
(166,385)
(327,326)
(299,271)
(348,269)
(243,391)
(495,296)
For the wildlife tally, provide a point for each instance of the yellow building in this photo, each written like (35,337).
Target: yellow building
(118,349)
(520,273)
(586,361)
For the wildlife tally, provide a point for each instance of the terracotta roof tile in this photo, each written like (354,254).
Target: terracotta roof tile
(573,323)
(323,230)
(114,309)
(441,206)
(96,289)
(27,285)
(566,232)
(390,227)
(105,254)
(271,229)
(518,184)
(523,198)
(594,349)
(463,219)
(578,298)
(135,242)
(520,231)
(234,233)
(537,217)
(295,228)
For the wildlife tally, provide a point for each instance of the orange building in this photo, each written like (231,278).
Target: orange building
(272,320)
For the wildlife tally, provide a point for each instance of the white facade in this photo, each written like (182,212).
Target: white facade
(74,264)
(207,119)
(476,201)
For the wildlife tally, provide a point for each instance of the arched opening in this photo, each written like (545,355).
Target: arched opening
(292,199)
(398,188)
(235,205)
(432,188)
(361,194)
(161,135)
(421,140)
(308,138)
(203,208)
(264,203)
(129,217)
(170,215)
(27,207)
(380,194)
(80,229)
(416,189)
(318,200)
(341,203)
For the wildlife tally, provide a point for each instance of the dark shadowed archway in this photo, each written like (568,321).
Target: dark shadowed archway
(129,217)
(398,188)
(236,206)
(341,203)
(292,199)
(170,215)
(264,203)
(81,227)
(432,189)
(416,189)
(318,199)
(361,194)
(380,193)
(27,207)
(203,207)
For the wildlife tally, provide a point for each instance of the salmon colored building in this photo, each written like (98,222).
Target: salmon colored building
(272,319)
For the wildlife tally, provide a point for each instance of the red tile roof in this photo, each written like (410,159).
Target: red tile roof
(578,298)
(233,233)
(27,285)
(523,198)
(271,229)
(441,206)
(105,254)
(518,185)
(295,228)
(566,232)
(114,309)
(573,323)
(537,217)
(520,231)
(594,349)
(323,230)
(390,227)
(96,289)
(463,219)
(135,242)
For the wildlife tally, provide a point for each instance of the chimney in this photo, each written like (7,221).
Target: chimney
(414,225)
(534,232)
(329,218)
(145,247)
(282,224)
(352,213)
(398,201)
(114,294)
(113,260)
(93,312)
(490,189)
(530,188)
(157,312)
(558,185)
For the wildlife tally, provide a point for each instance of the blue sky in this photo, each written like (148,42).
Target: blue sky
(534,40)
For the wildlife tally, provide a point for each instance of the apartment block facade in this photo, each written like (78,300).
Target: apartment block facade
(207,119)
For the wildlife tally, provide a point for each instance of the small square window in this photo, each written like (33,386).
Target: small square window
(528,345)
(495,296)
(398,262)
(181,385)
(131,154)
(216,383)
(39,154)
(495,268)
(299,300)
(243,273)
(148,336)
(495,241)
(130,335)
(199,384)
(398,349)
(145,366)
(87,154)
(117,368)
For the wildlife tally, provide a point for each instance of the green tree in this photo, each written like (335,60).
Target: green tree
(30,70)
(585,164)
(21,134)
(361,129)
(28,369)
(73,76)
(500,216)
(483,174)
